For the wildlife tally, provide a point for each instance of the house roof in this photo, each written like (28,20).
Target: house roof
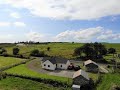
(81,73)
(55,60)
(89,62)
(51,59)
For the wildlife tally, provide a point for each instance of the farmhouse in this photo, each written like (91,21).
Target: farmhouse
(52,63)
(80,80)
(91,66)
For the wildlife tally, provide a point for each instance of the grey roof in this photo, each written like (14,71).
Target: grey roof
(55,60)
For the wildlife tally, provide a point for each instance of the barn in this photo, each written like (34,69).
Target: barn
(80,80)
(91,66)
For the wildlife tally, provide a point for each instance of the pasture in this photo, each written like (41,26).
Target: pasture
(15,83)
(58,49)
(108,81)
(8,61)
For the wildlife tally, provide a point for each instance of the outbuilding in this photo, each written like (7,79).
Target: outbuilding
(80,80)
(91,66)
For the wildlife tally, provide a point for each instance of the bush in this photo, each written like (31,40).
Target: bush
(2,50)
(37,53)
(15,51)
(5,54)
(46,81)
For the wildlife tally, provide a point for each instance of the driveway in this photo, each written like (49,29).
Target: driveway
(62,73)
(35,65)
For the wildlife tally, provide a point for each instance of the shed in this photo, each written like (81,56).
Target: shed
(91,66)
(80,78)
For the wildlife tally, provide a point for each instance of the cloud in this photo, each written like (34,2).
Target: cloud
(109,35)
(79,35)
(19,24)
(4,24)
(69,9)
(35,36)
(15,15)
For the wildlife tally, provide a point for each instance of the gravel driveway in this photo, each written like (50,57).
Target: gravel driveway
(36,66)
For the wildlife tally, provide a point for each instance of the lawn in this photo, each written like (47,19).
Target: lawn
(7,61)
(23,70)
(108,81)
(15,83)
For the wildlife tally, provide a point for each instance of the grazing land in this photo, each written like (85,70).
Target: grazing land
(15,83)
(108,81)
(58,49)
(8,61)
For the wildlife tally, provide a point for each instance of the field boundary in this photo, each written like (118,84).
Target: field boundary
(45,81)
(14,65)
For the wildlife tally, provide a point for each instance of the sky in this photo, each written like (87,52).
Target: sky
(60,20)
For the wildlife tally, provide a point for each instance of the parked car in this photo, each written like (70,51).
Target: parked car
(76,68)
(71,67)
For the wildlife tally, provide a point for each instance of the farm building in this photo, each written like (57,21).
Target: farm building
(52,63)
(20,44)
(91,66)
(80,80)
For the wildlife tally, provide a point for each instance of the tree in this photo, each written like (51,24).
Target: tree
(88,50)
(111,50)
(15,51)
(48,48)
(102,49)
(78,51)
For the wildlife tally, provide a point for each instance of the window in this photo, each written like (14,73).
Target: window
(44,64)
(48,65)
(61,65)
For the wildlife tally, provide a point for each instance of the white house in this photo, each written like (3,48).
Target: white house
(52,63)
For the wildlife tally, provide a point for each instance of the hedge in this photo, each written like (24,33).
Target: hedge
(46,81)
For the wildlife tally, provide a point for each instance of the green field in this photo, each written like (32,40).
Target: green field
(108,81)
(7,61)
(23,70)
(57,49)
(12,83)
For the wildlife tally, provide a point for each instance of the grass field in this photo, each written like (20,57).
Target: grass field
(7,61)
(57,49)
(12,83)
(108,81)
(23,70)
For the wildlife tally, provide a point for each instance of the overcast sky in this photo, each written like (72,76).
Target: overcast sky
(60,20)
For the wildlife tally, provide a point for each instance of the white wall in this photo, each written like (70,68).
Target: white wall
(52,66)
(64,66)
